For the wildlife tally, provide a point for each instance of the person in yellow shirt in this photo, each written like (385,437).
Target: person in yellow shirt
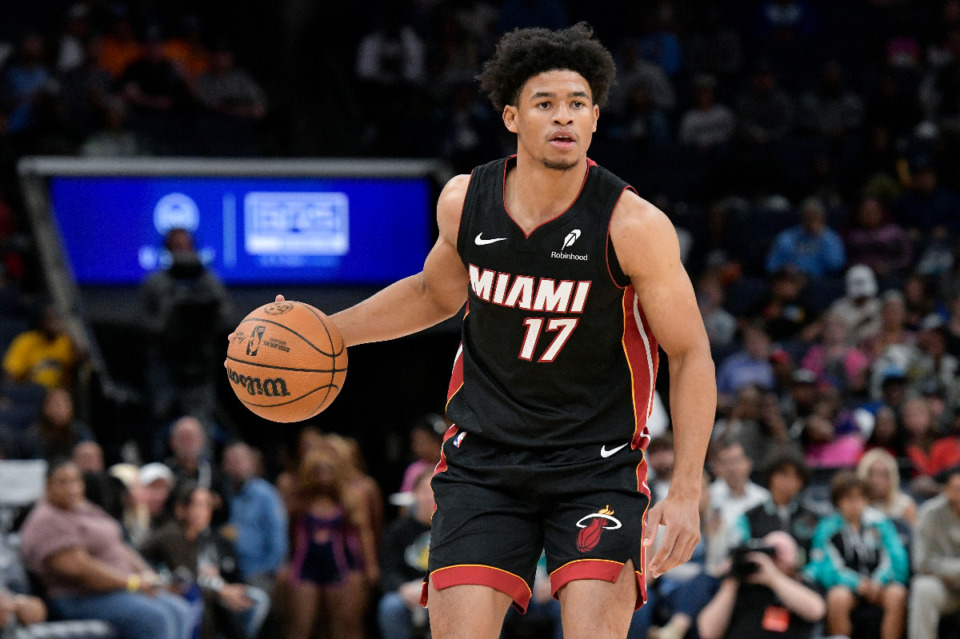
(46,355)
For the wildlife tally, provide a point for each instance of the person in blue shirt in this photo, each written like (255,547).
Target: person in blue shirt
(258,518)
(811,246)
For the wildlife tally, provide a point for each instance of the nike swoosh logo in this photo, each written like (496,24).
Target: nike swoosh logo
(482,242)
(613,451)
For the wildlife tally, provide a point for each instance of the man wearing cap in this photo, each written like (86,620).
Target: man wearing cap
(860,307)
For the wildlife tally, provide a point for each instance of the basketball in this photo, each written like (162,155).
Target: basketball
(286,361)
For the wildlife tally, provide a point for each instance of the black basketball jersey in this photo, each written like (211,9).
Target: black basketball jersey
(555,348)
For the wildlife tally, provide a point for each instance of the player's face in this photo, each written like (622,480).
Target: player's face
(554,120)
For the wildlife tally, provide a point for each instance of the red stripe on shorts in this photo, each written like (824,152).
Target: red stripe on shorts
(478,575)
(602,569)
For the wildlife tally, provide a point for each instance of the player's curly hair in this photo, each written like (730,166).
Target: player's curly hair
(524,53)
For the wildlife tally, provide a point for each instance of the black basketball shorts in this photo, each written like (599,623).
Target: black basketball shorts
(498,507)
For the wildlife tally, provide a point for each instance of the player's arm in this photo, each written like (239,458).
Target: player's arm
(647,248)
(422,300)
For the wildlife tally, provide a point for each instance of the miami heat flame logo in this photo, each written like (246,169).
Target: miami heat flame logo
(594,524)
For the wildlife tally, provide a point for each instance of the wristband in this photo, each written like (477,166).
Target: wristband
(133,582)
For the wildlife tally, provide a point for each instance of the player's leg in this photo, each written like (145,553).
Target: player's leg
(593,538)
(485,539)
(598,609)
(467,612)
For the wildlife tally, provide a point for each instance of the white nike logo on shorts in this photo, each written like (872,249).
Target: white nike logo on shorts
(479,241)
(613,451)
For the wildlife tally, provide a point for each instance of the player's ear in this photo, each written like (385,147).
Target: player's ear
(596,116)
(510,118)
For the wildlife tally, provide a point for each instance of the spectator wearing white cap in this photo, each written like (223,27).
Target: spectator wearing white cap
(860,307)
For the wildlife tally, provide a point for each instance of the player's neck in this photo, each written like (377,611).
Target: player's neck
(535,194)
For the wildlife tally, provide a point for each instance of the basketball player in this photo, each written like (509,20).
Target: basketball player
(571,281)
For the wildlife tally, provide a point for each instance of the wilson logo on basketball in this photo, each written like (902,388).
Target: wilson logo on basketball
(271,387)
(593,525)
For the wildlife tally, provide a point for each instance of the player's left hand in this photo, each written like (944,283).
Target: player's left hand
(681,518)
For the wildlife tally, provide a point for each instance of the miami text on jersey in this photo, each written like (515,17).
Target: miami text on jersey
(529,293)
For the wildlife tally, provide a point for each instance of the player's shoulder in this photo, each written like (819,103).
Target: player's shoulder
(637,221)
(450,205)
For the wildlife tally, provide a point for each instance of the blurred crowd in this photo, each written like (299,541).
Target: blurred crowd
(808,153)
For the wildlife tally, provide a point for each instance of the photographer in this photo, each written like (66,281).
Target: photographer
(765,599)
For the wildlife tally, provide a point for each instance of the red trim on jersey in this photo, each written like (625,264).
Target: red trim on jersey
(478,575)
(456,376)
(640,349)
(503,192)
(602,569)
(442,464)
(608,244)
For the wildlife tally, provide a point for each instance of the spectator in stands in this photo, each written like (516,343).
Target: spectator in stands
(858,559)
(786,474)
(47,354)
(929,453)
(157,482)
(732,493)
(881,479)
(830,436)
(86,91)
(749,366)
(183,308)
(811,246)
(364,487)
(151,84)
(88,456)
(308,438)
(721,325)
(113,138)
(88,572)
(927,205)
(134,516)
(892,346)
(187,50)
(634,71)
(771,601)
(918,299)
(426,440)
(120,45)
(887,434)
(198,557)
(749,425)
(235,103)
(191,457)
(834,361)
(766,112)
(660,460)
(403,564)
(258,519)
(936,548)
(831,110)
(936,368)
(876,241)
(57,430)
(334,560)
(23,84)
(785,314)
(860,307)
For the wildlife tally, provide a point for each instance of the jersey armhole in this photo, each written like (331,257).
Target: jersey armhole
(619,278)
(468,206)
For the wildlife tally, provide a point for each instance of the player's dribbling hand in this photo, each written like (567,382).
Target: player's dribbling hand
(681,518)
